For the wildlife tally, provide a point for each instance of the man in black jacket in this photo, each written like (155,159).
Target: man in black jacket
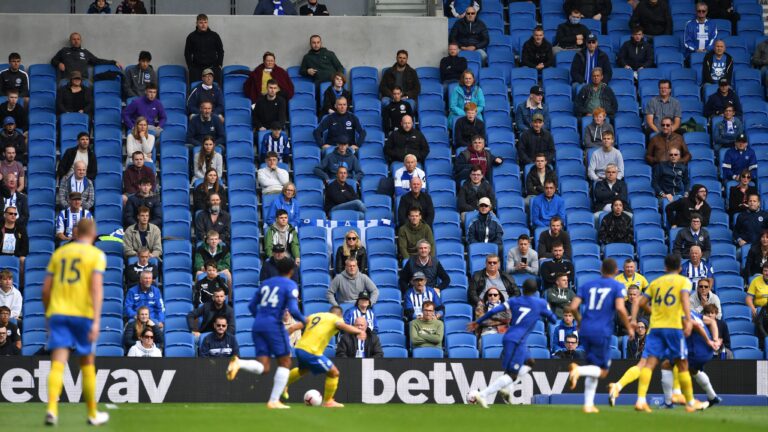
(203,50)
(535,140)
(654,16)
(467,127)
(491,275)
(636,53)
(584,62)
(555,234)
(537,51)
(717,64)
(350,346)
(395,110)
(68,158)
(401,72)
(75,58)
(549,269)
(616,226)
(478,155)
(269,269)
(143,198)
(679,212)
(473,190)
(313,8)
(452,65)
(406,140)
(485,229)
(572,34)
(609,189)
(341,196)
(424,262)
(209,312)
(470,33)
(270,108)
(204,289)
(598,10)
(417,197)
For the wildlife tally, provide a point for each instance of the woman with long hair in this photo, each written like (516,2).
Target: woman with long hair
(210,184)
(351,248)
(467,91)
(145,346)
(208,158)
(737,201)
(140,140)
(138,325)
(498,323)
(333,92)
(757,256)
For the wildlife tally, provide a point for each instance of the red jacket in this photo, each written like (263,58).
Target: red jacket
(252,86)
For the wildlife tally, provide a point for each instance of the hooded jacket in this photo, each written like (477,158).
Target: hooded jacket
(221,257)
(324,61)
(710,74)
(138,350)
(293,208)
(485,229)
(291,236)
(331,163)
(152,298)
(635,55)
(153,111)
(543,209)
(735,161)
(13,300)
(345,288)
(135,80)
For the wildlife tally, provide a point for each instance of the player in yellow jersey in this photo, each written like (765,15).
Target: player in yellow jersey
(72,295)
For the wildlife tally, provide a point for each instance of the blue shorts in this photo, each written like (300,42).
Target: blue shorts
(598,350)
(273,343)
(513,356)
(70,332)
(698,362)
(316,364)
(665,343)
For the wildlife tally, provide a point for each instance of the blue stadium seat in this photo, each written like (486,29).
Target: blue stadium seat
(394,352)
(428,353)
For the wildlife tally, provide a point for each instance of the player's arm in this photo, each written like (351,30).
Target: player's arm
(341,325)
(97,296)
(293,309)
(685,299)
(573,308)
(621,309)
(472,326)
(712,324)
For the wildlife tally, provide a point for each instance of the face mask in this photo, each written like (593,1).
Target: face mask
(215,209)
(574,20)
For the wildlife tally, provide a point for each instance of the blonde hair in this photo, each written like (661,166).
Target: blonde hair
(345,248)
(137,325)
(135,130)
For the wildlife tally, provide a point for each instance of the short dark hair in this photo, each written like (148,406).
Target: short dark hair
(538,155)
(665,81)
(556,219)
(272,82)
(557,243)
(284,265)
(5,309)
(609,267)
(145,55)
(145,180)
(220,317)
(530,286)
(710,308)
(428,303)
(538,28)
(14,56)
(524,237)
(267,54)
(333,308)
(696,216)
(150,86)
(281,212)
(636,29)
(476,168)
(137,153)
(572,336)
(143,209)
(217,289)
(559,275)
(672,262)
(271,154)
(414,209)
(210,263)
(402,51)
(82,134)
(201,17)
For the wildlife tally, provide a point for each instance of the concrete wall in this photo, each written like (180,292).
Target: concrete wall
(370,41)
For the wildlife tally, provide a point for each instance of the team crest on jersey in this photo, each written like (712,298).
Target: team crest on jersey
(18,81)
(295,293)
(348,123)
(82,55)
(760,218)
(402,107)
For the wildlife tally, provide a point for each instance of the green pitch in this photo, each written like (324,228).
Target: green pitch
(250,417)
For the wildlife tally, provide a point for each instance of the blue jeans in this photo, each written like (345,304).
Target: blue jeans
(356,205)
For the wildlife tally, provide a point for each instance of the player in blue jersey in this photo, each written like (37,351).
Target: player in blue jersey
(603,298)
(270,336)
(526,312)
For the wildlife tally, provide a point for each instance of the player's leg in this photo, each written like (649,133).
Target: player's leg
(644,381)
(331,384)
(280,345)
(631,375)
(702,379)
(59,358)
(88,369)
(506,392)
(258,366)
(677,393)
(686,385)
(667,382)
(514,356)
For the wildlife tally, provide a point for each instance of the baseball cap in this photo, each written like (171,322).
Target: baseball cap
(207,71)
(723,81)
(484,200)
(417,276)
(741,138)
(591,37)
(537,116)
(9,120)
(75,196)
(75,74)
(363,296)
(538,90)
(277,247)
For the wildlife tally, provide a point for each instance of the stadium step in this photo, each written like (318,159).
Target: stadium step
(401,8)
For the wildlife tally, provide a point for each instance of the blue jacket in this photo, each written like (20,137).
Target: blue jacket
(153,299)
(485,230)
(669,178)
(735,161)
(141,107)
(340,125)
(457,101)
(215,347)
(524,116)
(722,138)
(559,332)
(200,95)
(293,208)
(331,163)
(198,129)
(413,302)
(691,30)
(542,210)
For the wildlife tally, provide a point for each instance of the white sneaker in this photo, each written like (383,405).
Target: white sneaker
(50,419)
(100,419)
(506,395)
(475,397)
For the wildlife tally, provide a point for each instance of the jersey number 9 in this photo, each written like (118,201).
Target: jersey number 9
(72,269)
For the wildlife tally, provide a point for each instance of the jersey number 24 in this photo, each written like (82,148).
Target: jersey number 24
(269,296)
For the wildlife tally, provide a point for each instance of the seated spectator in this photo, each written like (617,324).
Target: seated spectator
(598,10)
(751,223)
(565,327)
(533,105)
(700,33)
(214,218)
(660,146)
(418,294)
(336,90)
(727,131)
(136,77)
(737,202)
(760,58)
(724,336)
(275,7)
(572,34)
(269,269)
(537,51)
(204,125)
(272,178)
(721,99)
(146,294)
(12,137)
(757,256)
(11,330)
(148,107)
(10,296)
(281,232)
(607,155)
(142,234)
(410,233)
(670,178)
(210,184)
(144,197)
(134,173)
(467,91)
(634,291)
(11,107)
(133,271)
(206,91)
(546,206)
(739,159)
(679,213)
(286,201)
(467,127)
(213,250)
(427,331)
(221,343)
(536,140)
(140,140)
(83,153)
(269,108)
(347,286)
(132,7)
(15,238)
(698,270)
(276,141)
(555,233)
(636,346)
(256,85)
(426,263)
(313,8)
(476,155)
(584,65)
(549,269)
(16,199)
(353,346)
(402,75)
(406,140)
(73,97)
(136,327)
(571,351)
(609,189)
(636,53)
(416,197)
(472,191)
(498,322)
(205,288)
(540,173)
(593,133)
(339,195)
(595,95)
(695,235)
(616,226)
(491,277)
(395,110)
(522,259)
(207,159)
(7,348)
(99,7)
(338,125)
(74,58)
(203,49)
(470,33)
(453,65)
(655,16)
(352,248)
(757,295)
(339,158)
(485,228)
(402,177)
(146,346)
(13,78)
(319,63)
(458,8)
(717,64)
(10,166)
(560,295)
(70,216)
(661,107)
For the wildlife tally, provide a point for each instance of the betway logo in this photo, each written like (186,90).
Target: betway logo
(444,381)
(18,384)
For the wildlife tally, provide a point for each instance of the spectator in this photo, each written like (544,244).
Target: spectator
(757,295)
(133,271)
(13,78)
(607,155)
(206,288)
(213,250)
(281,232)
(73,97)
(417,197)
(636,53)
(220,343)
(717,64)
(313,8)
(348,285)
(700,33)
(146,346)
(724,336)
(467,127)
(140,140)
(409,234)
(571,351)
(276,141)
(539,173)
(595,95)
(679,213)
(695,235)
(571,34)
(499,322)
(739,159)
(426,263)
(210,184)
(427,331)
(15,199)
(144,197)
(148,107)
(394,112)
(204,125)
(554,234)
(215,219)
(629,277)
(10,296)
(336,90)
(269,269)
(616,226)
(491,277)
(522,259)
(142,235)
(661,145)
(269,109)
(14,134)
(319,63)
(134,173)
(533,105)
(272,178)
(402,177)
(670,178)
(136,327)
(589,59)
(698,271)
(207,159)
(206,91)
(728,130)
(406,140)
(757,256)
(467,91)
(275,7)
(565,327)
(453,65)
(70,216)
(546,206)
(485,228)
(418,294)
(401,74)
(560,295)
(470,33)
(537,51)
(10,166)
(549,269)
(11,329)
(472,191)
(750,223)
(99,7)
(721,99)
(662,106)
(341,157)
(288,202)
(203,50)
(7,347)
(136,77)
(132,7)
(256,85)
(288,322)
(340,124)
(146,294)
(723,9)
(609,189)
(83,153)
(352,248)
(598,10)
(636,346)
(75,182)
(655,16)
(351,346)
(737,202)
(340,195)
(74,58)
(593,133)
(475,155)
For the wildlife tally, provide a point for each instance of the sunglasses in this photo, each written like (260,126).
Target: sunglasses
(592,42)
(483,205)
(666,124)
(11,214)
(702,286)
(746,176)
(493,295)
(471,13)
(148,336)
(351,238)
(492,262)
(674,154)
(702,11)
(221,325)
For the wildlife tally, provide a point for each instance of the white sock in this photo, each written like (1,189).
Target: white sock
(589,371)
(281,380)
(524,370)
(252,366)
(500,383)
(641,400)
(590,387)
(667,380)
(703,380)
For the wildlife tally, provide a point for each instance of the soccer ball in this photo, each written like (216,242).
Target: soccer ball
(313,398)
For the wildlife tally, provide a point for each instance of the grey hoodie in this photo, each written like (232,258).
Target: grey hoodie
(349,288)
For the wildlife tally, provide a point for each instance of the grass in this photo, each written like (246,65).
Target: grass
(392,417)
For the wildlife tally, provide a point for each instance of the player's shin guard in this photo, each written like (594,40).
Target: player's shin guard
(703,380)
(643,382)
(252,366)
(55,385)
(630,376)
(589,371)
(89,389)
(331,384)
(590,387)
(281,379)
(667,380)
(294,376)
(687,386)
(500,383)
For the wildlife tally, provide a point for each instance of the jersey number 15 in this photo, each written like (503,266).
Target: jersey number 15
(69,271)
